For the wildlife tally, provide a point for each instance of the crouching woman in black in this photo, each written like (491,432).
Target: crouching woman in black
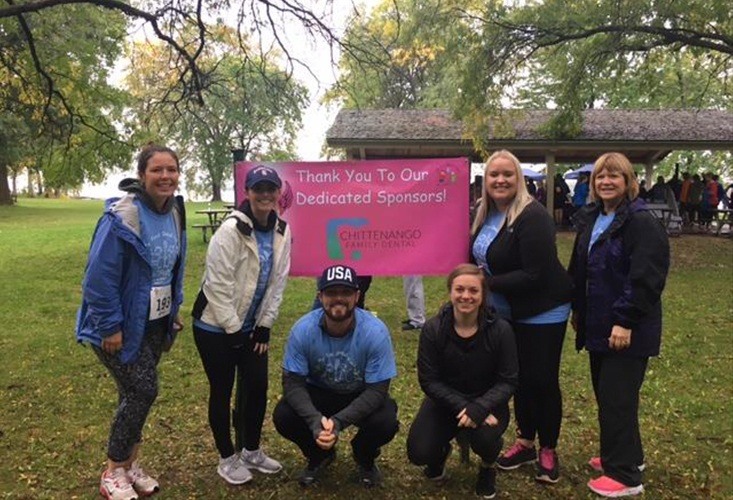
(467,367)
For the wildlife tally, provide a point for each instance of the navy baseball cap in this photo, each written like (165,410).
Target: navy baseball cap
(338,276)
(261,173)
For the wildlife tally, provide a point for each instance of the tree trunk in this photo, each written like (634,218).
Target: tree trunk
(31,192)
(215,191)
(5,198)
(15,183)
(40,183)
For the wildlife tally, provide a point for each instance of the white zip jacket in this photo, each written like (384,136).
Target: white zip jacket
(232,268)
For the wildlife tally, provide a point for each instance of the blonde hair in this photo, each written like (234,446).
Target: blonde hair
(615,162)
(520,201)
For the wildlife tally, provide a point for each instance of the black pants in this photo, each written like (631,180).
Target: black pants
(538,400)
(434,426)
(616,382)
(375,430)
(221,363)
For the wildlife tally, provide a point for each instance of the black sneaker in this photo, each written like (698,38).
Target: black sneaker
(407,326)
(437,472)
(313,471)
(516,456)
(548,468)
(370,477)
(486,482)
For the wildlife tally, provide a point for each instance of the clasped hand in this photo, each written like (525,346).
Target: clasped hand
(465,421)
(327,438)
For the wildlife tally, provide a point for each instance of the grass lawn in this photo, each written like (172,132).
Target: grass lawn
(57,399)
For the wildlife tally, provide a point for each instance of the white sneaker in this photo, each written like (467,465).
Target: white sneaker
(141,481)
(233,470)
(115,485)
(259,461)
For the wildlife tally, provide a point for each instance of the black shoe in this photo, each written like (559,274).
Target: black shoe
(313,471)
(370,477)
(437,472)
(407,326)
(516,456)
(486,482)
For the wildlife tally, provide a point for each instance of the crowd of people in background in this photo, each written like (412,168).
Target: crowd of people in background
(498,337)
(695,198)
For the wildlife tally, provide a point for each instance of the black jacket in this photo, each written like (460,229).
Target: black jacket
(620,281)
(479,373)
(524,264)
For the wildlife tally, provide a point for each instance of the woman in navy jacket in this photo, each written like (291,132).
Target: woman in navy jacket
(619,265)
(132,292)
(514,243)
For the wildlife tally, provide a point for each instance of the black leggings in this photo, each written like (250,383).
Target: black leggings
(221,362)
(538,400)
(137,388)
(434,426)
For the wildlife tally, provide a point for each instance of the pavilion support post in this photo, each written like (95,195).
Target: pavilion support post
(550,181)
(649,174)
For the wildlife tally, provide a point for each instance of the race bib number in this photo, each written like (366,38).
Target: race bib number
(161,300)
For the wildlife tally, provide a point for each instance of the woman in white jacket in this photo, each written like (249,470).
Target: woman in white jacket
(247,265)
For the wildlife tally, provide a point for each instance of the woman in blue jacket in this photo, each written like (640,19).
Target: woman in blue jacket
(132,291)
(619,265)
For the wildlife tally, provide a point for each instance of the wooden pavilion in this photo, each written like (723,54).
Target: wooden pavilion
(644,136)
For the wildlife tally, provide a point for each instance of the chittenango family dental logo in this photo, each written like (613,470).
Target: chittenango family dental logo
(353,236)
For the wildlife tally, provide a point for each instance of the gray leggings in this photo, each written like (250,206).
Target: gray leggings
(137,387)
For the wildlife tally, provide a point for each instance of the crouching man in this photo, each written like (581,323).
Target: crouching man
(337,367)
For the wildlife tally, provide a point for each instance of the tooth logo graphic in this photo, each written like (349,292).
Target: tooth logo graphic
(335,251)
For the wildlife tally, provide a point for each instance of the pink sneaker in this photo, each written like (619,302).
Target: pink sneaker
(607,487)
(596,464)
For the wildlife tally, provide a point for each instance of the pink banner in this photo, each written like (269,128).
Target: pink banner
(382,217)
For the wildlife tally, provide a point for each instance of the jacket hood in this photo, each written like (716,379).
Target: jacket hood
(134,186)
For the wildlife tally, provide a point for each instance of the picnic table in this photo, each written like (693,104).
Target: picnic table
(215,217)
(670,220)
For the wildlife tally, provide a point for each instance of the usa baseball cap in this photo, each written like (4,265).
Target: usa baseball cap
(338,275)
(261,173)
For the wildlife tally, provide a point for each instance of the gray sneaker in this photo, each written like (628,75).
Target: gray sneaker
(257,460)
(233,470)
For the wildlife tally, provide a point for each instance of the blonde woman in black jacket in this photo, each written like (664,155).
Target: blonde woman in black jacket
(513,241)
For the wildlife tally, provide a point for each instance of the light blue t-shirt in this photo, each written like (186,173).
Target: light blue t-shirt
(491,227)
(160,237)
(340,364)
(264,248)
(601,224)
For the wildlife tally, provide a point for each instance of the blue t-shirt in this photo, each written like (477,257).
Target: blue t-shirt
(264,248)
(160,237)
(340,364)
(601,224)
(491,227)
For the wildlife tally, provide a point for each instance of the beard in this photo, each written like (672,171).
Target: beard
(339,317)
